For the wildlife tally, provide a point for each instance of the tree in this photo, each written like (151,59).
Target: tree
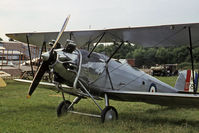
(129,55)
(149,57)
(196,54)
(162,55)
(138,55)
(1,39)
(181,54)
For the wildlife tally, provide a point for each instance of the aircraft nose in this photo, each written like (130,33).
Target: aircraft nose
(45,56)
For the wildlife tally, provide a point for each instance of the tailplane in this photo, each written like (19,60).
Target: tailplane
(185,81)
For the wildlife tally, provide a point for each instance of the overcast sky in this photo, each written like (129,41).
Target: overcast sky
(49,15)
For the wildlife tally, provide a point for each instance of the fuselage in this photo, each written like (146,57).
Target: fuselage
(98,76)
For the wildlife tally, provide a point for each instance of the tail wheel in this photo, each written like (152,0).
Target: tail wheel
(109,114)
(63,108)
(153,88)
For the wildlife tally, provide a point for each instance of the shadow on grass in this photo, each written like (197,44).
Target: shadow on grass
(151,116)
(163,109)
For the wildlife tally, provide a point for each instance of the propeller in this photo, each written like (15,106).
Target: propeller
(46,62)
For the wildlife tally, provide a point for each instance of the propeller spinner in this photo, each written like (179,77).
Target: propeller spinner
(45,64)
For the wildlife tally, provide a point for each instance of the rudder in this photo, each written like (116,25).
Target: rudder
(185,81)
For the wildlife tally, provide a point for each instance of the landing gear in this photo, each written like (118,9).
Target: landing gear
(109,114)
(66,105)
(63,108)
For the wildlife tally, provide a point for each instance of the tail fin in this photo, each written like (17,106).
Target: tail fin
(185,81)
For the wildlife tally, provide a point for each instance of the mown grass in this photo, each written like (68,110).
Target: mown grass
(38,114)
(169,80)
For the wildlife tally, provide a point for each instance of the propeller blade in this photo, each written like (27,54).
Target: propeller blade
(45,65)
(38,76)
(61,32)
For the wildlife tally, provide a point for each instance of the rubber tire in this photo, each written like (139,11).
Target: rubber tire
(153,85)
(62,108)
(105,111)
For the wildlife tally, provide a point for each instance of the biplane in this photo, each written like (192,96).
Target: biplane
(81,72)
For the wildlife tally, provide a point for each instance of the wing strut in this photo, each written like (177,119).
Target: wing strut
(29,54)
(96,44)
(91,40)
(192,60)
(109,77)
(71,34)
(42,49)
(114,52)
(107,71)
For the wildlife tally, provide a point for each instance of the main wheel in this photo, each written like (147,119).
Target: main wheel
(108,114)
(63,108)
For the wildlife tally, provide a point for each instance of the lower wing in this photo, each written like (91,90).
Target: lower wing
(165,99)
(64,88)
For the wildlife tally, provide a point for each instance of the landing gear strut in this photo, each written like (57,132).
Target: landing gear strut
(63,108)
(66,105)
(109,113)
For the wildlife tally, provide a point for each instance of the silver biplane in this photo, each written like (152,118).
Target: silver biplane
(87,74)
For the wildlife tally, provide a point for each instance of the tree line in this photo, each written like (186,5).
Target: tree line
(150,56)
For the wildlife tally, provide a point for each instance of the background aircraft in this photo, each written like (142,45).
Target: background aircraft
(84,73)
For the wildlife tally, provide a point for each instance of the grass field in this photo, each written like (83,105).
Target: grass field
(38,114)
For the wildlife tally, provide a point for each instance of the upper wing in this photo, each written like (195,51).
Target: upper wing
(168,99)
(153,36)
